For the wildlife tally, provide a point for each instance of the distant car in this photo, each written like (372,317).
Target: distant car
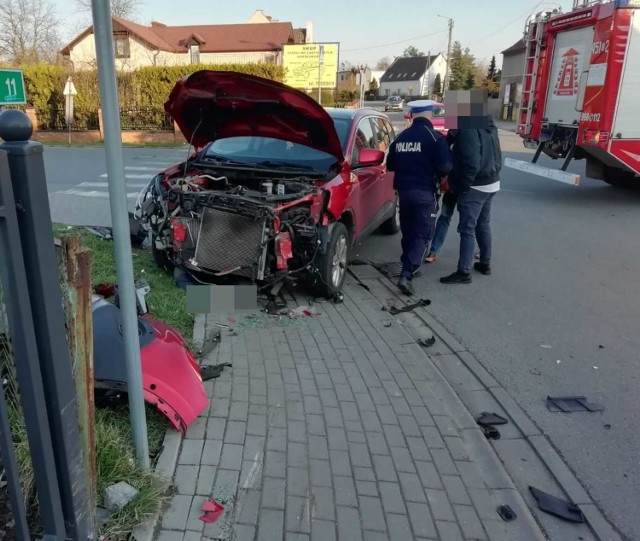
(393,103)
(437,120)
(278,187)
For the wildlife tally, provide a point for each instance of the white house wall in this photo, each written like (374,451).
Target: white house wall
(439,66)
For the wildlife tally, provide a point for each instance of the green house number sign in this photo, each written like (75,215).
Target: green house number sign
(12,89)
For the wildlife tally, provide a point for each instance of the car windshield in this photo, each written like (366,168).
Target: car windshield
(395,98)
(438,111)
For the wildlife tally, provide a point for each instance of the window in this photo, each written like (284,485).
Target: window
(121,45)
(194,51)
(365,138)
(384,139)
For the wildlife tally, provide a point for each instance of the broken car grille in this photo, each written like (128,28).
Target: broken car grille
(227,241)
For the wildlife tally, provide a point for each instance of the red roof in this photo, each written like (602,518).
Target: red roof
(213,38)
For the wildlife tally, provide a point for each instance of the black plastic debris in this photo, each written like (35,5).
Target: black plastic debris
(338,298)
(393,270)
(535,372)
(427,342)
(212,371)
(557,506)
(506,513)
(489,419)
(569,404)
(395,311)
(491,432)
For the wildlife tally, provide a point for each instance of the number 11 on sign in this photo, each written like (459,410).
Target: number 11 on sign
(11,87)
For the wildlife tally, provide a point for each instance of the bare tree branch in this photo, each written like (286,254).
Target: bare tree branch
(29,31)
(125,9)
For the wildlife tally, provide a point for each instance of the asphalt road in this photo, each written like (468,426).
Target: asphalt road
(566,261)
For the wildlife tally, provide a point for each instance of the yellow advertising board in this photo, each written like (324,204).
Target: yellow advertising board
(306,63)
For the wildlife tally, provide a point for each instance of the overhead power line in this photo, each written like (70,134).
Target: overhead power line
(393,43)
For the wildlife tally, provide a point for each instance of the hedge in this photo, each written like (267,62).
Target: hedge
(147,87)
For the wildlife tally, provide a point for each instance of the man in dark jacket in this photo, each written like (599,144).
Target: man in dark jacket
(475,178)
(420,159)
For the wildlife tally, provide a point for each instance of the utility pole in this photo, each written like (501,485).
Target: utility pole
(445,85)
(428,73)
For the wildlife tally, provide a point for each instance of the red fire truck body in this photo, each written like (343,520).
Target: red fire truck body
(581,91)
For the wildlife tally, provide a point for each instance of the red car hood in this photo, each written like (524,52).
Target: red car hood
(208,105)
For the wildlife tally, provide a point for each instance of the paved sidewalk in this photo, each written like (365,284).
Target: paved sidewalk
(338,426)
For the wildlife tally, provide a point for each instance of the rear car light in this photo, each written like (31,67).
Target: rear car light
(179,232)
(284,250)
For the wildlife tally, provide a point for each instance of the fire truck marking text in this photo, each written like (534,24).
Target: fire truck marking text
(600,47)
(590,117)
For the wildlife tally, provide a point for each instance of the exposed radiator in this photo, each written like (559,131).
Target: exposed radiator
(227,241)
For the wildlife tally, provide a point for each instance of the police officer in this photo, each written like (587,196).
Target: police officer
(420,159)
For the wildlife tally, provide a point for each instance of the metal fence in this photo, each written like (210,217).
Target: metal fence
(83,120)
(145,118)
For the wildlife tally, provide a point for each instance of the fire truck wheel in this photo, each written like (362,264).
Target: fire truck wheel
(621,179)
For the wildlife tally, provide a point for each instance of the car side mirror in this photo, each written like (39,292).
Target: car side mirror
(370,157)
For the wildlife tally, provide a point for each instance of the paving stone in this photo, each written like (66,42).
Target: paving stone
(318,447)
(443,462)
(271,526)
(448,531)
(297,455)
(371,422)
(206,476)
(297,431)
(399,528)
(298,515)
(193,521)
(297,537)
(349,524)
(429,475)
(359,455)
(418,448)
(235,432)
(384,468)
(333,417)
(297,481)
(364,474)
(367,488)
(402,460)
(469,522)
(322,530)
(248,506)
(320,473)
(275,464)
(191,452)
(387,415)
(231,458)
(345,491)
(421,520)
(409,426)
(186,479)
(412,488)
(340,463)
(277,439)
(456,490)
(197,429)
(175,518)
(244,532)
(439,504)
(239,410)
(372,514)
(470,475)
(394,436)
(257,425)
(391,498)
(337,439)
(322,503)
(167,535)
(273,493)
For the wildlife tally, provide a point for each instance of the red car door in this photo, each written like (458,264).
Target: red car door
(368,176)
(385,194)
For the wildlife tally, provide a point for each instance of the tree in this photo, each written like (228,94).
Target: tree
(437,85)
(412,51)
(491,73)
(470,81)
(373,87)
(29,31)
(463,68)
(383,64)
(126,9)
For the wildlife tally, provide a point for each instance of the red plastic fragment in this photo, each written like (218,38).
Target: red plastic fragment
(212,510)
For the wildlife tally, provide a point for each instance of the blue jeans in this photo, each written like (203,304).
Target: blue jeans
(475,216)
(417,222)
(442,225)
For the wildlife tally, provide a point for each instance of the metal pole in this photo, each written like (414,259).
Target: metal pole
(428,73)
(446,74)
(103,31)
(320,59)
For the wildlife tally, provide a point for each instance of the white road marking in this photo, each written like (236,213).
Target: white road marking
(105,175)
(106,184)
(93,193)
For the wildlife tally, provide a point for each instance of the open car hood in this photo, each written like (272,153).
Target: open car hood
(208,105)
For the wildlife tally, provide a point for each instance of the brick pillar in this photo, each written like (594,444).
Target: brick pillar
(100,123)
(33,117)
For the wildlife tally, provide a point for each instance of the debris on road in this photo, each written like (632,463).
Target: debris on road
(212,371)
(213,510)
(117,496)
(427,342)
(545,346)
(489,419)
(506,513)
(491,432)
(535,372)
(568,404)
(395,311)
(556,506)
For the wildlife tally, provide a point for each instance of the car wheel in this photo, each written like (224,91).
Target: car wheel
(392,225)
(331,267)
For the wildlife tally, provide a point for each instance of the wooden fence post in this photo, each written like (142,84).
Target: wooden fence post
(76,272)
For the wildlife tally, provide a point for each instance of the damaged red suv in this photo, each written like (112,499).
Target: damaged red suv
(278,187)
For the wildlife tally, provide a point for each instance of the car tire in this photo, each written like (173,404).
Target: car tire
(331,267)
(392,225)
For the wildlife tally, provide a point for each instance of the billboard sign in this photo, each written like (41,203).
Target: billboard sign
(307,63)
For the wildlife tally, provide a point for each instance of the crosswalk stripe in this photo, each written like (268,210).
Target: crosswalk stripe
(105,175)
(94,193)
(140,168)
(106,184)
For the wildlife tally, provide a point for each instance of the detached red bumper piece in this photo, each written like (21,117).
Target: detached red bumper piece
(170,374)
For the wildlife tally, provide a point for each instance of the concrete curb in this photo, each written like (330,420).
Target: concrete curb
(168,458)
(533,437)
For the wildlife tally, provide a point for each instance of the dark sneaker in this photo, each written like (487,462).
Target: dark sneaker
(482,268)
(456,278)
(405,286)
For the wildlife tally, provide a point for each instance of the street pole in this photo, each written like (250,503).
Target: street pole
(445,85)
(428,73)
(320,62)
(103,31)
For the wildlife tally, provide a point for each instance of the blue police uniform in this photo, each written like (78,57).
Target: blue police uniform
(419,157)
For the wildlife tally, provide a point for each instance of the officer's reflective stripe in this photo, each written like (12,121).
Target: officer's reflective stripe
(409,147)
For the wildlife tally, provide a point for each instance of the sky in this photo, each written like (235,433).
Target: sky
(367,30)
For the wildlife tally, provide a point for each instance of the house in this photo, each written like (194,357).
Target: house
(413,75)
(158,44)
(513,62)
(349,79)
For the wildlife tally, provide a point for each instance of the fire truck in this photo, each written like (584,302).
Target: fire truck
(581,92)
